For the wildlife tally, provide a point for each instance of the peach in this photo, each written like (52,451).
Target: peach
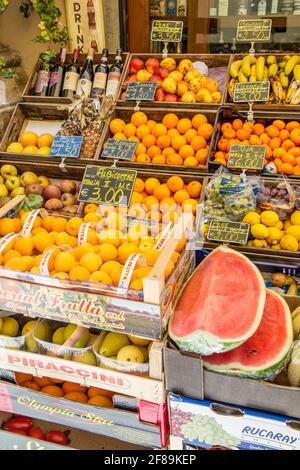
(152,66)
(136,65)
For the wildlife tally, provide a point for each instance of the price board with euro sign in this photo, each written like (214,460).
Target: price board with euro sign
(166,31)
(251,92)
(119,149)
(141,91)
(228,232)
(66,146)
(247,157)
(256,30)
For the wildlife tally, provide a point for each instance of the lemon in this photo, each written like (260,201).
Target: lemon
(259,231)
(289,243)
(252,218)
(275,235)
(287,224)
(269,218)
(279,225)
(15,147)
(294,230)
(260,244)
(44,151)
(276,247)
(295,218)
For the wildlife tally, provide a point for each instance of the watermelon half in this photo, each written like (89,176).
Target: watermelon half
(266,353)
(221,306)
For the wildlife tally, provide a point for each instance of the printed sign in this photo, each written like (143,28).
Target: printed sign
(141,91)
(251,92)
(166,31)
(108,186)
(254,30)
(248,157)
(229,232)
(119,149)
(65,146)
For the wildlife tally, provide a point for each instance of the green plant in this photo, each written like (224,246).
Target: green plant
(3,5)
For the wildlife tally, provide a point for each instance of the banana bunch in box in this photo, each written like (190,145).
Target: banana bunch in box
(283,74)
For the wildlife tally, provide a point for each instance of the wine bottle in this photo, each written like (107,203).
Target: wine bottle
(71,76)
(42,82)
(101,74)
(114,76)
(57,74)
(85,82)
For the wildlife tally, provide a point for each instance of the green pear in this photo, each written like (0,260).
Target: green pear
(139,341)
(58,336)
(112,344)
(82,342)
(88,357)
(10,327)
(131,353)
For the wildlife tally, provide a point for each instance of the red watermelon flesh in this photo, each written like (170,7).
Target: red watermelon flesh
(221,306)
(265,353)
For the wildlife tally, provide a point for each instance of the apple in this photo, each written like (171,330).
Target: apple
(12,182)
(28,178)
(163,73)
(8,170)
(43,181)
(68,186)
(136,64)
(34,189)
(160,95)
(157,79)
(68,199)
(152,65)
(52,192)
(3,190)
(18,192)
(170,97)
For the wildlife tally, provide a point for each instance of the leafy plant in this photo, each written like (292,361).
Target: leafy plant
(7,73)
(3,5)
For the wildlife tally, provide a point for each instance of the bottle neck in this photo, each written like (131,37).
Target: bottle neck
(62,55)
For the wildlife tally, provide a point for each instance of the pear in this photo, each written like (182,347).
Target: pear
(58,336)
(82,342)
(112,344)
(131,353)
(139,341)
(10,327)
(88,357)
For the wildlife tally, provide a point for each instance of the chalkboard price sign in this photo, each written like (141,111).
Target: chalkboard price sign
(254,30)
(141,91)
(107,186)
(66,146)
(119,149)
(166,31)
(251,92)
(228,232)
(248,157)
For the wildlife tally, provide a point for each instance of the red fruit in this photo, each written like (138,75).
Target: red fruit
(171,97)
(163,73)
(18,431)
(152,65)
(136,65)
(17,424)
(160,95)
(36,433)
(157,79)
(57,437)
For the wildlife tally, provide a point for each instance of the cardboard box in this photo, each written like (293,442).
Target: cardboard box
(207,424)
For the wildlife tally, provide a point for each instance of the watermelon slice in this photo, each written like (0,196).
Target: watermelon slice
(267,352)
(221,306)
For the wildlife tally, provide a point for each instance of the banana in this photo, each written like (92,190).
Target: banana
(273,69)
(252,78)
(284,80)
(253,70)
(287,57)
(260,68)
(290,92)
(282,65)
(271,98)
(234,69)
(284,93)
(296,97)
(293,290)
(291,64)
(231,86)
(277,90)
(295,312)
(271,60)
(247,61)
(266,74)
(297,72)
(242,77)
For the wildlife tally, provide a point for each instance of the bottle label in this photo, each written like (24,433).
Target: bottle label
(55,78)
(100,81)
(42,80)
(84,87)
(71,80)
(223,7)
(113,84)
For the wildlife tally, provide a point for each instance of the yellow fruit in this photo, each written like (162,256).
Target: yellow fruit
(61,275)
(141,273)
(42,240)
(44,151)
(269,218)
(101,277)
(45,140)
(169,269)
(286,224)
(47,222)
(110,236)
(169,63)
(109,266)
(289,243)
(294,230)
(7,226)
(176,75)
(29,262)
(11,254)
(185,66)
(279,225)
(108,252)
(169,85)
(188,97)
(91,262)
(251,218)
(16,264)
(116,274)
(275,235)
(79,273)
(259,243)
(137,284)
(25,245)
(195,84)
(15,147)
(31,150)
(127,250)
(117,125)
(259,231)
(64,262)
(28,139)
(295,218)
(151,256)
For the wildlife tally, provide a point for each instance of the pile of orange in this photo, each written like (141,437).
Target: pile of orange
(282,141)
(68,390)
(32,143)
(173,141)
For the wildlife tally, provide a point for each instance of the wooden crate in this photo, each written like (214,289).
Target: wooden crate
(28,90)
(157,114)
(211,60)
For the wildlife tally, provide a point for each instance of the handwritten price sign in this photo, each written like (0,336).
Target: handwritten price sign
(248,157)
(119,149)
(166,31)
(251,92)
(66,146)
(228,232)
(254,30)
(141,91)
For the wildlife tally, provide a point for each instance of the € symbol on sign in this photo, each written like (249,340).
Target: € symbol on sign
(84,192)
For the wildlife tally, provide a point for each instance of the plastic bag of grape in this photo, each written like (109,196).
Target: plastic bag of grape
(282,198)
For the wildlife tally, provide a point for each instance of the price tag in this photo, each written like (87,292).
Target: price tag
(119,149)
(66,146)
(254,30)
(108,186)
(166,31)
(251,92)
(229,232)
(141,91)
(248,157)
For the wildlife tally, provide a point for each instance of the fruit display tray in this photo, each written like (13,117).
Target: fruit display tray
(156,114)
(211,60)
(27,93)
(146,427)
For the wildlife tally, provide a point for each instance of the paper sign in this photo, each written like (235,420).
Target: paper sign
(251,92)
(66,146)
(119,149)
(166,31)
(248,157)
(254,30)
(228,232)
(141,91)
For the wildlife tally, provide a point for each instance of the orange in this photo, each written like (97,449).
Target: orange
(140,149)
(73,226)
(25,246)
(237,124)
(170,120)
(181,196)
(142,131)
(73,387)
(173,133)
(11,254)
(150,185)
(44,140)
(53,390)
(278,152)
(38,230)
(64,262)
(265,139)
(190,205)
(229,134)
(278,162)
(194,189)
(248,126)
(76,396)
(242,134)
(139,118)
(151,203)
(286,168)
(21,377)
(28,139)
(167,203)
(197,120)
(101,277)
(90,208)
(108,252)
(120,136)
(284,135)
(167,151)
(91,261)
(7,226)
(198,143)
(275,142)
(151,256)
(296,171)
(159,130)
(153,151)
(201,156)
(227,126)
(175,183)
(126,250)
(161,191)
(81,250)
(139,210)
(178,142)
(79,273)
(298,160)
(174,159)
(163,141)
(295,151)
(133,139)
(181,244)
(269,151)
(159,159)
(190,161)
(116,125)
(143,158)
(92,217)
(190,135)
(42,240)
(102,401)
(279,124)
(94,391)
(129,130)
(254,140)
(42,381)
(258,129)
(292,125)
(186,151)
(295,136)
(206,130)
(32,385)
(289,158)
(148,141)
(109,266)
(287,144)
(139,185)
(184,125)
(272,131)
(151,123)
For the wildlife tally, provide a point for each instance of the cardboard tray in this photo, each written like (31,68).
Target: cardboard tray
(211,60)
(27,93)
